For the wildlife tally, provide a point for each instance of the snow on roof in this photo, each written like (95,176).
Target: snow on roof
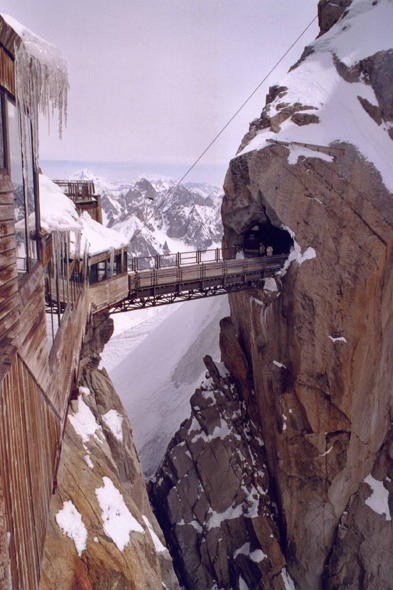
(99,237)
(316,83)
(58,213)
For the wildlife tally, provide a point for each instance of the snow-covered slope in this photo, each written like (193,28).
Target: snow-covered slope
(188,220)
(157,378)
(331,96)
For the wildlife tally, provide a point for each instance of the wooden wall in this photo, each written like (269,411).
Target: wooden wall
(7,73)
(107,293)
(64,356)
(34,387)
(9,299)
(33,339)
(29,441)
(34,394)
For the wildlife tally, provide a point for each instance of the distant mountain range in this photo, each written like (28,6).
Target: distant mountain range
(189,219)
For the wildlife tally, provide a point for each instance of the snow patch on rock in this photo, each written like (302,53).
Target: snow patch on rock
(338,339)
(159,547)
(70,523)
(84,422)
(378,501)
(88,461)
(280,365)
(118,521)
(114,422)
(288,582)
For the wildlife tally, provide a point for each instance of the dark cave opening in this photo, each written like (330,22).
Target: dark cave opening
(263,239)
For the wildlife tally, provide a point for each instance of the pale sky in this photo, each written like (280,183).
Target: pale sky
(153,81)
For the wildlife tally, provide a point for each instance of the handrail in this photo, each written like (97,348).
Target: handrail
(200,271)
(77,189)
(169,260)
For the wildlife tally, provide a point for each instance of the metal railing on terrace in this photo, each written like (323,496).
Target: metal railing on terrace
(78,190)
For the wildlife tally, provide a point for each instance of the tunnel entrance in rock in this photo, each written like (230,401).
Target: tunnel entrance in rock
(263,239)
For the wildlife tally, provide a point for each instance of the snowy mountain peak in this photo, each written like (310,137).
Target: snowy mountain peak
(338,92)
(186,219)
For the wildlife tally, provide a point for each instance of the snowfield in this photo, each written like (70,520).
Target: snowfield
(158,370)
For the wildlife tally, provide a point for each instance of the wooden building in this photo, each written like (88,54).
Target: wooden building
(36,375)
(82,193)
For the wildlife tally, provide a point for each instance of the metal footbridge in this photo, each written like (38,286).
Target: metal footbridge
(164,279)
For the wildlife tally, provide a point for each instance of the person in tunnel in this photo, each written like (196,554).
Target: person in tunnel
(259,239)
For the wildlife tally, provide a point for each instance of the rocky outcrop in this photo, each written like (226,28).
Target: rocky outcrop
(312,360)
(211,494)
(326,412)
(320,354)
(102,533)
(329,12)
(363,551)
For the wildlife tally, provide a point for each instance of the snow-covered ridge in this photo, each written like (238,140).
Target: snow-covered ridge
(334,103)
(365,30)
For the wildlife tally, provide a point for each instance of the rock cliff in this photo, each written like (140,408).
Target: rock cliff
(316,353)
(212,494)
(102,533)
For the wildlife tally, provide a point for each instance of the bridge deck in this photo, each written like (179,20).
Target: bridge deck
(167,285)
(180,281)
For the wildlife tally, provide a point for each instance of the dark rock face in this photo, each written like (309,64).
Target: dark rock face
(94,451)
(211,494)
(330,12)
(320,355)
(363,552)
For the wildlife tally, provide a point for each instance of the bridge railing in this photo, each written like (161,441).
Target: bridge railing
(222,268)
(182,258)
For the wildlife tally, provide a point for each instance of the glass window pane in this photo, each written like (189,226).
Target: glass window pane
(17,182)
(2,150)
(29,190)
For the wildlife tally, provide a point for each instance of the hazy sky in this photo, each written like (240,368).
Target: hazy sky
(153,81)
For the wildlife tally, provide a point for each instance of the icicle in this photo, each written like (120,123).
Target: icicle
(41,81)
(112,262)
(55,245)
(78,240)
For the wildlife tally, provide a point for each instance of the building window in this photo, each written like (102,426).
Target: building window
(24,191)
(2,143)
